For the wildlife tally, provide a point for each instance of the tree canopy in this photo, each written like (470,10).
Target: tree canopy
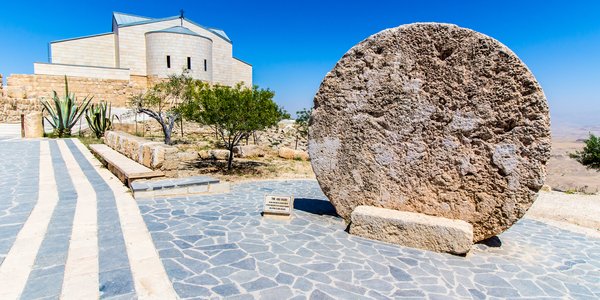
(590,156)
(233,112)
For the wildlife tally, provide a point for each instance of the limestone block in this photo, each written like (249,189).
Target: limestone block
(219,188)
(187,156)
(163,154)
(410,229)
(148,153)
(33,125)
(204,154)
(248,151)
(435,119)
(198,189)
(219,154)
(149,156)
(289,153)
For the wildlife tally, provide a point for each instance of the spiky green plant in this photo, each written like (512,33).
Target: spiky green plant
(100,118)
(63,113)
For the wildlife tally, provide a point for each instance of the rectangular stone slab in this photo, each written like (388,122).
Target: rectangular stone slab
(412,229)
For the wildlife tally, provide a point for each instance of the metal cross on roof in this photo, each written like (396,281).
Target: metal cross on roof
(181,16)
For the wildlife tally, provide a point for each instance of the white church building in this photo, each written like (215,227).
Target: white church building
(148,47)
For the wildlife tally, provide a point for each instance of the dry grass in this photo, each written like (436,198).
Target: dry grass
(197,138)
(246,169)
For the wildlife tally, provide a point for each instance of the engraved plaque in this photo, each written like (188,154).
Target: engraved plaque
(278,205)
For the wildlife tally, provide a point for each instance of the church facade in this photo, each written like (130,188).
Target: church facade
(144,47)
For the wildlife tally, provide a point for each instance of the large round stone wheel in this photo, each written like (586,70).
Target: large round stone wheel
(432,118)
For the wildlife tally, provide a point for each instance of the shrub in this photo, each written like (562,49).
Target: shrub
(590,156)
(233,112)
(64,112)
(302,119)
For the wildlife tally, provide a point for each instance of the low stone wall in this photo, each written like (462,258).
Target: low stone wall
(11,109)
(148,153)
(38,86)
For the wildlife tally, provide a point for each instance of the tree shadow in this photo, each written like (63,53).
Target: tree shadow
(315,206)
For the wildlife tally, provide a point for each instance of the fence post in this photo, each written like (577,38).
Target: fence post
(22,125)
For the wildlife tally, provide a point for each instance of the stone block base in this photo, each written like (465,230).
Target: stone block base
(33,125)
(195,185)
(412,229)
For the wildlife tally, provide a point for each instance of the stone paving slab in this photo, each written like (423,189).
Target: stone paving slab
(62,263)
(218,246)
(19,180)
(215,246)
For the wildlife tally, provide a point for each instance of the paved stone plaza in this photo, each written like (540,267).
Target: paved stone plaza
(219,246)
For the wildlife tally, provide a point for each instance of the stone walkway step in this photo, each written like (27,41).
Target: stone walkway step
(123,167)
(178,186)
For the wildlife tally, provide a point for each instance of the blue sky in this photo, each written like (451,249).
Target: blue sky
(293,44)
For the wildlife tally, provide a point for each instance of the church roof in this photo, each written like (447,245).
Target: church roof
(123,20)
(180,30)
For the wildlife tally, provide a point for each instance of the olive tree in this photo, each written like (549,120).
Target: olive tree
(162,102)
(301,124)
(233,112)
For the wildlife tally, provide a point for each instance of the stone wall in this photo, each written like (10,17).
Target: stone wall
(178,47)
(96,50)
(11,109)
(242,71)
(34,87)
(154,155)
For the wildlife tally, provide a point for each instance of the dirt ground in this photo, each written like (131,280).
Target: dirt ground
(565,174)
(269,167)
(576,212)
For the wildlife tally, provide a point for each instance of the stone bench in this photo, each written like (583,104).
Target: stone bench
(124,168)
(178,186)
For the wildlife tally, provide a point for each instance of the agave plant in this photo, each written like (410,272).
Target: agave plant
(100,118)
(63,113)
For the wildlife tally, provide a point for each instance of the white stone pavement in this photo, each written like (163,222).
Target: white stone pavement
(10,131)
(57,252)
(70,230)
